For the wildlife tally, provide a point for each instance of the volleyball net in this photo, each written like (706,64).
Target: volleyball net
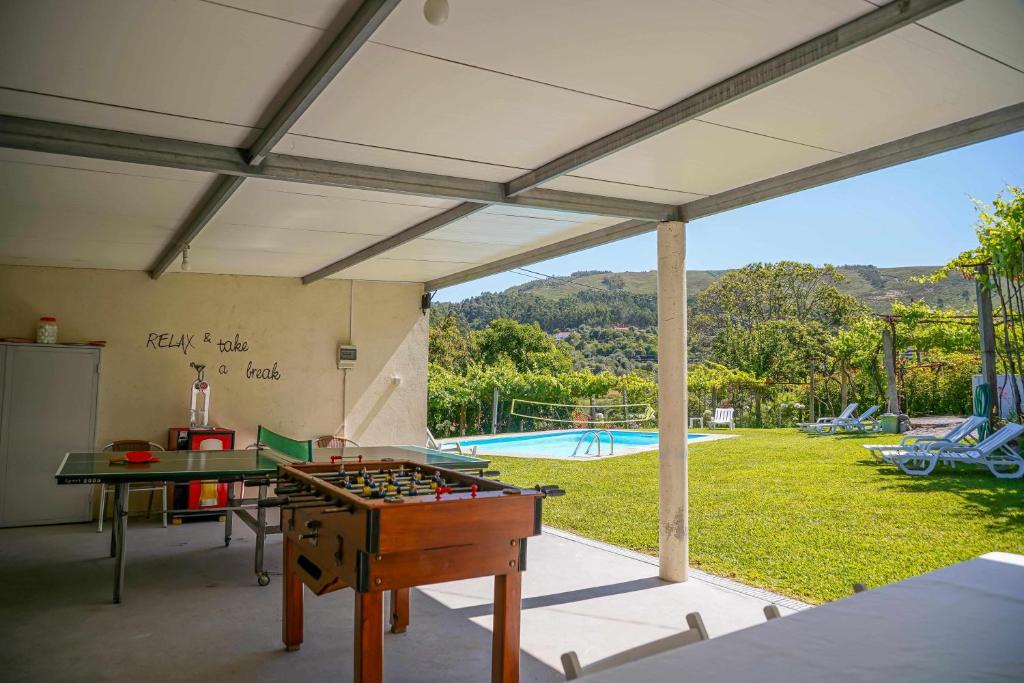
(597,415)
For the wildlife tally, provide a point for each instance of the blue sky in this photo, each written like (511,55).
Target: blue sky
(920,213)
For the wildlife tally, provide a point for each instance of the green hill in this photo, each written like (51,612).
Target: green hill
(877,288)
(605,298)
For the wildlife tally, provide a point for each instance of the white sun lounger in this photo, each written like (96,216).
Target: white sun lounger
(861,424)
(809,426)
(447,447)
(964,434)
(995,453)
(694,634)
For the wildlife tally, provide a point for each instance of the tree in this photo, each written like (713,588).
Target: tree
(998,264)
(528,347)
(451,345)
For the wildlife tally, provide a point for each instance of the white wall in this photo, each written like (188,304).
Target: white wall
(145,375)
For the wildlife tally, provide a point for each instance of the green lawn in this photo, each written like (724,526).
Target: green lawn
(802,515)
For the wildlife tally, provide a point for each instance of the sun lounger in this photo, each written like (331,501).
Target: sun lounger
(995,452)
(964,434)
(694,634)
(862,424)
(809,426)
(447,447)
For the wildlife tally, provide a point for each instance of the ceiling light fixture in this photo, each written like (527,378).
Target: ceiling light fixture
(185,265)
(435,11)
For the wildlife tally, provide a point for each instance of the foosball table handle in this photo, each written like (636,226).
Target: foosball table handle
(550,490)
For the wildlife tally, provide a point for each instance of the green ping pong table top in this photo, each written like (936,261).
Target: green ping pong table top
(96,467)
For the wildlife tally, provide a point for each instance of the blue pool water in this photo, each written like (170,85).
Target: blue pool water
(562,443)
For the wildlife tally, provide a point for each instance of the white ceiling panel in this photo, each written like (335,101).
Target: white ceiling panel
(650,53)
(190,58)
(370,155)
(497,227)
(224,235)
(401,270)
(316,13)
(66,211)
(51,182)
(274,204)
(904,83)
(400,100)
(56,224)
(241,261)
(992,28)
(108,117)
(487,236)
(702,158)
(604,188)
(84,253)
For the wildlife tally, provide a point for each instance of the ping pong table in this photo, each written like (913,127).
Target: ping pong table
(252,467)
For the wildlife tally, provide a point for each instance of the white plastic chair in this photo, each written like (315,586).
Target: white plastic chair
(723,418)
(694,634)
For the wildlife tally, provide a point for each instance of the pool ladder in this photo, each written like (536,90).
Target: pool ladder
(595,436)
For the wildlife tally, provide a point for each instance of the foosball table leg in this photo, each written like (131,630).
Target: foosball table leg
(399,610)
(508,596)
(368,648)
(291,626)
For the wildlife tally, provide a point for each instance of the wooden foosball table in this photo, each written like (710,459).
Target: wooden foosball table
(388,526)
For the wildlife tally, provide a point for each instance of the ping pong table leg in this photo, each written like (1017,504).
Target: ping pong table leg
(229,513)
(291,625)
(120,535)
(262,576)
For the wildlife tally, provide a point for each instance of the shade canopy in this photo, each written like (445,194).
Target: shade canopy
(345,139)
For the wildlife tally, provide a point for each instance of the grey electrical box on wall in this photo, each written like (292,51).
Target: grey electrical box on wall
(346,357)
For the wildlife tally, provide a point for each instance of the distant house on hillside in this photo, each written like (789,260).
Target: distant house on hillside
(621,328)
(561,336)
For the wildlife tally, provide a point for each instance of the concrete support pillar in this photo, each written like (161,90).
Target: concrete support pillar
(673,518)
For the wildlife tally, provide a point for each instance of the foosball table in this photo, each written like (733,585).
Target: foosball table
(388,526)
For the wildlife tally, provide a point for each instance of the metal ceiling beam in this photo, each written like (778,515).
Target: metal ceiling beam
(943,139)
(960,134)
(859,31)
(203,214)
(370,15)
(97,143)
(612,233)
(356,31)
(420,229)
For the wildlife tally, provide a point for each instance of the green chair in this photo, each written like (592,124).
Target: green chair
(301,450)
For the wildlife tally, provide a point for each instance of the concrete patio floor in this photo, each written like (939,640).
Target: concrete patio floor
(193,611)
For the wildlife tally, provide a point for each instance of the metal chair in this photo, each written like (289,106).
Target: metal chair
(133,445)
(334,441)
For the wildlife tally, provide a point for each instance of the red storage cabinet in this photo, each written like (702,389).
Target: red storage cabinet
(197,494)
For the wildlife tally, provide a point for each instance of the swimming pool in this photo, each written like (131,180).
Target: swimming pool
(562,443)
